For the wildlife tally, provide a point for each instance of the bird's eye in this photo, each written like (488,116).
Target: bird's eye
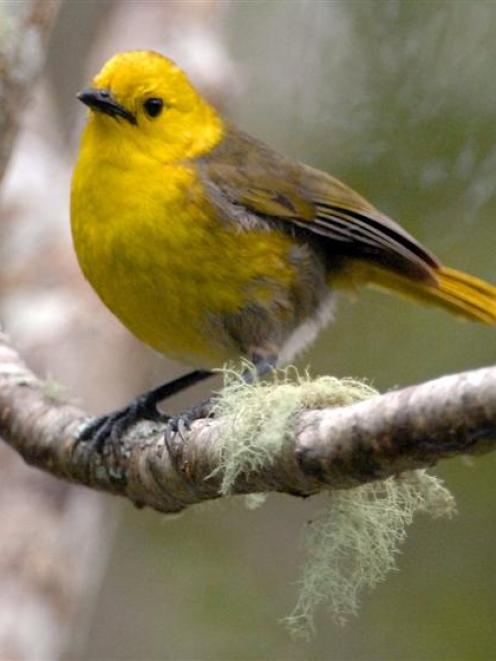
(153,107)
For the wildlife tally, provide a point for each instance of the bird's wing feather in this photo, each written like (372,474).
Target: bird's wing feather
(244,174)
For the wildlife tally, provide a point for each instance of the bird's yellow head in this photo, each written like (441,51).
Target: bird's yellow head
(141,101)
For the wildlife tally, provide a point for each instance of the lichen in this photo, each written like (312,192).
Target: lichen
(53,390)
(257,418)
(255,500)
(353,542)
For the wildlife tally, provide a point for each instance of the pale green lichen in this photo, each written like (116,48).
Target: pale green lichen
(258,417)
(53,390)
(352,543)
(255,500)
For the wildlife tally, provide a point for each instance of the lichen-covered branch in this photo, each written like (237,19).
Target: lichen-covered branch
(332,448)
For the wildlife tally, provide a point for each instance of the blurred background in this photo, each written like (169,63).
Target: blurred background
(398,100)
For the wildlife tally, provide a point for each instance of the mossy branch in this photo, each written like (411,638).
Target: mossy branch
(331,448)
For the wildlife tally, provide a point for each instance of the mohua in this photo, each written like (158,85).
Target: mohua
(209,245)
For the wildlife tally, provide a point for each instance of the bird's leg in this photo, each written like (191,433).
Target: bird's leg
(262,365)
(144,407)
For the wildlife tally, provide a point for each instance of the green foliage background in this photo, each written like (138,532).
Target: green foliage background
(398,100)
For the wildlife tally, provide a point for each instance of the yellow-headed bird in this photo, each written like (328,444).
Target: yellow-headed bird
(209,245)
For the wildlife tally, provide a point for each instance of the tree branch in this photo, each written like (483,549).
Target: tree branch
(331,448)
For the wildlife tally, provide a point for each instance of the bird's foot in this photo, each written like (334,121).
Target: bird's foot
(112,425)
(181,424)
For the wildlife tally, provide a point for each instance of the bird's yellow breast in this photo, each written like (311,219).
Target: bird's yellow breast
(161,259)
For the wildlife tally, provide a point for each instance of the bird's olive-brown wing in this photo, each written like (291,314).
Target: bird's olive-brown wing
(249,182)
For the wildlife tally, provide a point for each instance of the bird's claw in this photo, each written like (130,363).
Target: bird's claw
(100,431)
(181,424)
(111,426)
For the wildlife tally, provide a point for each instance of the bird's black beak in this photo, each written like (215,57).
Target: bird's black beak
(102,100)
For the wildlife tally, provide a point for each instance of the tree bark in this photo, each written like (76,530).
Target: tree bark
(332,448)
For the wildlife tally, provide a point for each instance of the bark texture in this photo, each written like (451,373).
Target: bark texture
(330,449)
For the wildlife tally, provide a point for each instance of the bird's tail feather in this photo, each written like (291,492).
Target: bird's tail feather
(460,293)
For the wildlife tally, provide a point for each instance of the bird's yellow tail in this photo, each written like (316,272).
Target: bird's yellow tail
(460,293)
(465,295)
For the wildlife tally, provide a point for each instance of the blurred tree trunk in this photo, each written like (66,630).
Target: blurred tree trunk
(24,31)
(53,536)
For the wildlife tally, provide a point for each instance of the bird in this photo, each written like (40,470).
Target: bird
(211,246)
